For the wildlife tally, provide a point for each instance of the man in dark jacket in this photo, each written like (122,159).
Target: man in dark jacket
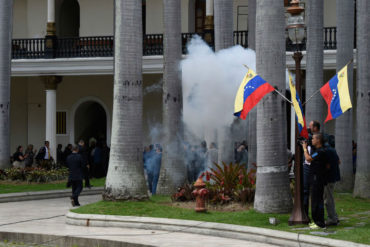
(75,165)
(84,152)
(318,162)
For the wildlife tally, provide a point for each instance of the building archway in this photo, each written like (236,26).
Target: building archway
(69,19)
(90,118)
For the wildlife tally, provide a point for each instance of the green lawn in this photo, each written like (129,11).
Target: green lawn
(13,187)
(355,209)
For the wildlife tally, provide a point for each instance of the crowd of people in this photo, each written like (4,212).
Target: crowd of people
(320,167)
(82,161)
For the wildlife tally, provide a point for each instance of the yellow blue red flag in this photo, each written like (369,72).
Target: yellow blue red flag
(251,90)
(301,121)
(336,94)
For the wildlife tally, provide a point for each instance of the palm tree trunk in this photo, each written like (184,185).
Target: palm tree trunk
(272,187)
(252,116)
(6,10)
(343,124)
(223,15)
(173,170)
(252,24)
(315,60)
(125,179)
(362,181)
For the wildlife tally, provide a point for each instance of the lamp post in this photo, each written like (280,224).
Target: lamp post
(296,32)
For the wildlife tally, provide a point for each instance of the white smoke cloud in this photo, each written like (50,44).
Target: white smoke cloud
(210,81)
(155,88)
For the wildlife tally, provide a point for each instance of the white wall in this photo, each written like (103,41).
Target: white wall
(36,18)
(27,111)
(18,113)
(96,17)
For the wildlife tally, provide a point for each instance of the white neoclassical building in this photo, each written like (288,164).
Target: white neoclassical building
(63,93)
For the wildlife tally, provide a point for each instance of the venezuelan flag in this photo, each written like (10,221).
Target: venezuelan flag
(301,120)
(251,90)
(336,94)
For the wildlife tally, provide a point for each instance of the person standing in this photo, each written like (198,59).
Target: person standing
(318,160)
(314,127)
(333,176)
(212,157)
(29,153)
(75,164)
(43,157)
(59,155)
(66,153)
(84,152)
(18,158)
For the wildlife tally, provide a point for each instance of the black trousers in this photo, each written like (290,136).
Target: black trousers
(86,177)
(307,181)
(317,201)
(76,190)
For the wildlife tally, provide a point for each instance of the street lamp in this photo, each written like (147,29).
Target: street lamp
(296,32)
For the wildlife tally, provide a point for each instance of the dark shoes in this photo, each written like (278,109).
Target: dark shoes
(74,202)
(331,223)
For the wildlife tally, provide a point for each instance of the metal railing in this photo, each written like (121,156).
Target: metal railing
(103,46)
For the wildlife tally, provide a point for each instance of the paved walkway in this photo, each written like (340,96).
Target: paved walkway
(48,217)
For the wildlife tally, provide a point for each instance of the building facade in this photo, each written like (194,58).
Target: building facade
(66,90)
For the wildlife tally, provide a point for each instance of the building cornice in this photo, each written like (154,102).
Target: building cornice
(104,65)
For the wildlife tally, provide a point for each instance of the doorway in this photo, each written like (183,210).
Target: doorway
(90,121)
(69,19)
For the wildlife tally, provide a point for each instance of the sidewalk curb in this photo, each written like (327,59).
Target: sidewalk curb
(48,194)
(64,240)
(248,233)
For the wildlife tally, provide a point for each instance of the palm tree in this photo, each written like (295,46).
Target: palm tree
(362,181)
(252,24)
(173,170)
(315,59)
(252,116)
(5,60)
(272,186)
(125,179)
(343,125)
(223,12)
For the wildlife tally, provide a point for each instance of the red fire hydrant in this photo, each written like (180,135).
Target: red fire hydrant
(200,194)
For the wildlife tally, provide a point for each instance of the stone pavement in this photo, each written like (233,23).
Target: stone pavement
(48,217)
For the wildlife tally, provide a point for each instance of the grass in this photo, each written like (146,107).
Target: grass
(13,187)
(157,206)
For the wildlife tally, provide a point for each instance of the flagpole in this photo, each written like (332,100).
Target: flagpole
(311,96)
(282,95)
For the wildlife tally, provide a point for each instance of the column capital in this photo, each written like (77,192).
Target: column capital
(50,29)
(51,82)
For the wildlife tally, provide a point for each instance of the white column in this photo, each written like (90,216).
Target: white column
(50,135)
(209,8)
(51,84)
(51,11)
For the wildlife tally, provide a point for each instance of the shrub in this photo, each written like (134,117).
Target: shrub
(230,182)
(184,193)
(33,174)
